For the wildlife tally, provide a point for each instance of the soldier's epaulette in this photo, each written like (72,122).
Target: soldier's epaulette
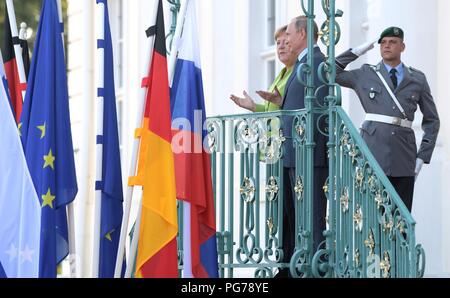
(416,70)
(374,67)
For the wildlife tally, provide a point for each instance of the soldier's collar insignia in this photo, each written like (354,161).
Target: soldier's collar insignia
(372,93)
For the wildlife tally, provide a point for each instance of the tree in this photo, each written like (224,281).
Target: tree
(27,11)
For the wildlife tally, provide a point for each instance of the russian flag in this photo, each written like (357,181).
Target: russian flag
(192,162)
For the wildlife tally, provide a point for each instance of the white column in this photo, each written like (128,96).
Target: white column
(81,73)
(87,158)
(87,206)
(443,105)
(443,71)
(354,31)
(225,39)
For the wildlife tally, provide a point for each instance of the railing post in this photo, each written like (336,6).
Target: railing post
(175,9)
(300,264)
(310,126)
(331,99)
(330,34)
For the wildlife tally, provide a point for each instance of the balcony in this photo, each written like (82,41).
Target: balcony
(369,232)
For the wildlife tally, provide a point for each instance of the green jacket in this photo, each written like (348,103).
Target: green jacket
(279,82)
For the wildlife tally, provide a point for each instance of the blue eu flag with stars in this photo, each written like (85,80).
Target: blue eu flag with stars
(111,185)
(47,138)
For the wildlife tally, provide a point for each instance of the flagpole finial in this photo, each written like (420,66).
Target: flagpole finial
(23,31)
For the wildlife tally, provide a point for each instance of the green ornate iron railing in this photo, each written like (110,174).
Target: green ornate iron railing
(247,179)
(370,232)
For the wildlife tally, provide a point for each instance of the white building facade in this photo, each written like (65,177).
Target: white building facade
(238,53)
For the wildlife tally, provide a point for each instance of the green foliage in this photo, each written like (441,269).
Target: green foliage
(27,11)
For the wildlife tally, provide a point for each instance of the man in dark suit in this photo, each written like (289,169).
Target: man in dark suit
(294,99)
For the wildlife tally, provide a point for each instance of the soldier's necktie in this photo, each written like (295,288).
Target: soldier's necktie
(393,73)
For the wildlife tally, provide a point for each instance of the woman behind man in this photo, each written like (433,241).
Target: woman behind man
(286,57)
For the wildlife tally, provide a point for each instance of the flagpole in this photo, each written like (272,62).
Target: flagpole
(176,40)
(17,47)
(100,17)
(171,72)
(70,207)
(58,2)
(134,242)
(132,172)
(133,166)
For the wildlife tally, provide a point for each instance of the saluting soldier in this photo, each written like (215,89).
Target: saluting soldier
(390,93)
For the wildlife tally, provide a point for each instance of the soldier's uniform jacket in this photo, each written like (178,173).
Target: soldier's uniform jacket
(394,147)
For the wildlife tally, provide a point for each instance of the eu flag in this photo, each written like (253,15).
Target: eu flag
(47,139)
(111,186)
(2,272)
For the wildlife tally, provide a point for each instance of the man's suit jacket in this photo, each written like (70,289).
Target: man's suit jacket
(294,98)
(394,147)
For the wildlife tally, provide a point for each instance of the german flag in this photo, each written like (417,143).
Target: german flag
(12,73)
(157,247)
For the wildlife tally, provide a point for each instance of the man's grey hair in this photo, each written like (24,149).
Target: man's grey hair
(301,22)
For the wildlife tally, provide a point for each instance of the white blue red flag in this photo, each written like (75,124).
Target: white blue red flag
(20,211)
(192,162)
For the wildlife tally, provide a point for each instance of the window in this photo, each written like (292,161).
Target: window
(119,56)
(271,21)
(117,21)
(265,18)
(268,53)
(120,70)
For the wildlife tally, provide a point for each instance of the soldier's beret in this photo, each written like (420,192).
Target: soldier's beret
(391,31)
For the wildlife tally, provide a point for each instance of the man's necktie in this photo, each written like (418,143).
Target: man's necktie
(394,77)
